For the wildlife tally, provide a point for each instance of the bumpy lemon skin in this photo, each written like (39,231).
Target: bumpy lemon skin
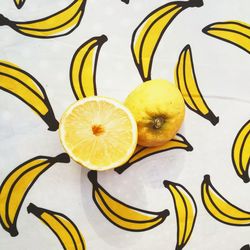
(156,100)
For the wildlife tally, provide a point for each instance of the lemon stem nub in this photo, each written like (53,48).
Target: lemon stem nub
(158,122)
(97,129)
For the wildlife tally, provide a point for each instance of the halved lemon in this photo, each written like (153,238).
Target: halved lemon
(98,132)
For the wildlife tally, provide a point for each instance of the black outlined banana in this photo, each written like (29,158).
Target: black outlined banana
(19,3)
(17,184)
(234,32)
(187,83)
(122,215)
(179,142)
(147,35)
(186,212)
(63,227)
(246,247)
(220,208)
(125,1)
(241,152)
(83,67)
(26,88)
(59,24)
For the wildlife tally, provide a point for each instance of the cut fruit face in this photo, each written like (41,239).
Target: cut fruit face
(98,132)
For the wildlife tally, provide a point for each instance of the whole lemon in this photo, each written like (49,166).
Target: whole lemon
(158,108)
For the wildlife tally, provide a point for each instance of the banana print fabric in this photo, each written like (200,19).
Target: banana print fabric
(192,192)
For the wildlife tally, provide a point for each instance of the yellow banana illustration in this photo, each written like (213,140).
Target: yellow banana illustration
(26,88)
(241,152)
(179,142)
(83,67)
(220,208)
(19,3)
(187,84)
(17,184)
(234,32)
(147,35)
(186,212)
(59,24)
(122,215)
(65,230)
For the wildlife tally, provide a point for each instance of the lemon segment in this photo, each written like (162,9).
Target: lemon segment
(98,132)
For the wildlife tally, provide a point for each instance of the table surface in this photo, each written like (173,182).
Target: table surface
(223,75)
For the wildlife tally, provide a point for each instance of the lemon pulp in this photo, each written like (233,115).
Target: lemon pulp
(98,132)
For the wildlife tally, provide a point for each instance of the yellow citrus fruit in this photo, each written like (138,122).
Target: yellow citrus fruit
(98,132)
(159,109)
